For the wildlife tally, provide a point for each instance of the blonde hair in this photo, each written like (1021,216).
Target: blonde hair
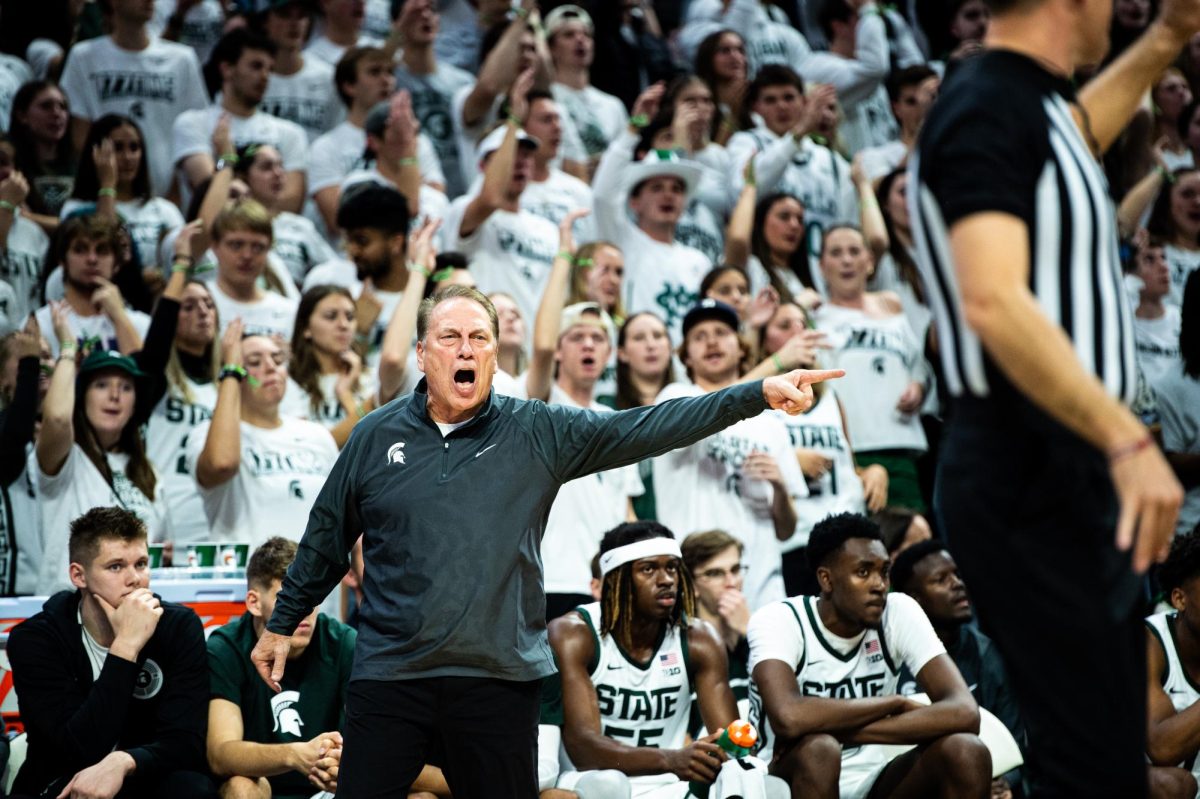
(244,214)
(177,379)
(580,267)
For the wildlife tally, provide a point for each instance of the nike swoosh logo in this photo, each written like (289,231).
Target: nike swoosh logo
(610,668)
(485,449)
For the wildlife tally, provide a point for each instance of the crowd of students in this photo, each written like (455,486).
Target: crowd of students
(217,222)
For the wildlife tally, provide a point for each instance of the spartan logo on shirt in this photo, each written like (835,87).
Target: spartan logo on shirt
(396,453)
(675,300)
(287,718)
(120,84)
(149,681)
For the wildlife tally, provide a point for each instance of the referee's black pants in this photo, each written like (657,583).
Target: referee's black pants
(1030,515)
(485,730)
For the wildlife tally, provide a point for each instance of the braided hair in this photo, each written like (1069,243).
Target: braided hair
(617,596)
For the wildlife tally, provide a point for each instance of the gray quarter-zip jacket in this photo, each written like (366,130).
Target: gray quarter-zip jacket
(452,526)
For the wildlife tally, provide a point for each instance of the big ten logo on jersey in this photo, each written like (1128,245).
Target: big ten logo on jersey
(530,252)
(859,687)
(265,463)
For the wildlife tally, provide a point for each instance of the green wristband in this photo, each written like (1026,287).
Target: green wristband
(408,161)
(5,205)
(778,363)
(106,192)
(566,255)
(639,121)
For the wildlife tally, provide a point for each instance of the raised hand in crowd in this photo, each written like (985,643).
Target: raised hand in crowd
(14,189)
(518,95)
(647,103)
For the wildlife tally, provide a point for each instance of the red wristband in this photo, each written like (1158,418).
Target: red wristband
(1121,453)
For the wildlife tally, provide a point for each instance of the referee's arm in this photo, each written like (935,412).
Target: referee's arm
(991,260)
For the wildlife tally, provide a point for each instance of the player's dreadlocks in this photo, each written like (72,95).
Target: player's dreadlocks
(616,594)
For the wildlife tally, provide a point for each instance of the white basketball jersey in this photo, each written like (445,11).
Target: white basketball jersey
(1176,682)
(824,670)
(642,704)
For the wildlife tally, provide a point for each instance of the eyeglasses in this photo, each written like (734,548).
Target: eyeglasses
(737,570)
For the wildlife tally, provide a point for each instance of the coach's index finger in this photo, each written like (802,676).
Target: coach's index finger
(810,376)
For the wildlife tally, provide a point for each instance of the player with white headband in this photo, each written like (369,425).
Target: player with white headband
(628,666)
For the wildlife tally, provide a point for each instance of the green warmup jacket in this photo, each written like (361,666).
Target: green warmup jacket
(452,526)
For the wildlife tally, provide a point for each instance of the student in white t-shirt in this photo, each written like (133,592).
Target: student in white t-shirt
(189,399)
(743,479)
(363,79)
(245,60)
(661,274)
(252,463)
(911,92)
(339,28)
(196,23)
(1178,393)
(129,72)
(1156,324)
(301,88)
(552,193)
(241,239)
(23,244)
(432,83)
(825,671)
(326,380)
(596,116)
(90,450)
(510,248)
(377,221)
(295,240)
(870,337)
(116,177)
(786,159)
(94,308)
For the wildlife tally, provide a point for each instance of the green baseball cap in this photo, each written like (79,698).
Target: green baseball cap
(110,359)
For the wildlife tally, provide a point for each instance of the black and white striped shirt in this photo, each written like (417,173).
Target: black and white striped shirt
(1001,138)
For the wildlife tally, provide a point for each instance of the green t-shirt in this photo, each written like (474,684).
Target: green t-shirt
(312,698)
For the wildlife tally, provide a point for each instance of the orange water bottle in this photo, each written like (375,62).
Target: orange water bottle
(737,740)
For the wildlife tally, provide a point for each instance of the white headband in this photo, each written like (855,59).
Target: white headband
(649,548)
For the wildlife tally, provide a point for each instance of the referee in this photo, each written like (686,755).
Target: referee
(1053,495)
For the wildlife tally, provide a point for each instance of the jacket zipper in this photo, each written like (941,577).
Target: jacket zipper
(445,458)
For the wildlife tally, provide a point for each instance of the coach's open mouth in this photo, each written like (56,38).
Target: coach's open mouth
(464,380)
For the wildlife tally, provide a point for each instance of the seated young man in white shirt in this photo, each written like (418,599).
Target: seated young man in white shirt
(245,60)
(241,239)
(824,676)
(251,463)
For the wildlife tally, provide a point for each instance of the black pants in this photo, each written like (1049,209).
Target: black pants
(488,729)
(1030,515)
(562,604)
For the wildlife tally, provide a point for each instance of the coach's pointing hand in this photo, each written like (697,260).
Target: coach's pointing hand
(792,392)
(270,656)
